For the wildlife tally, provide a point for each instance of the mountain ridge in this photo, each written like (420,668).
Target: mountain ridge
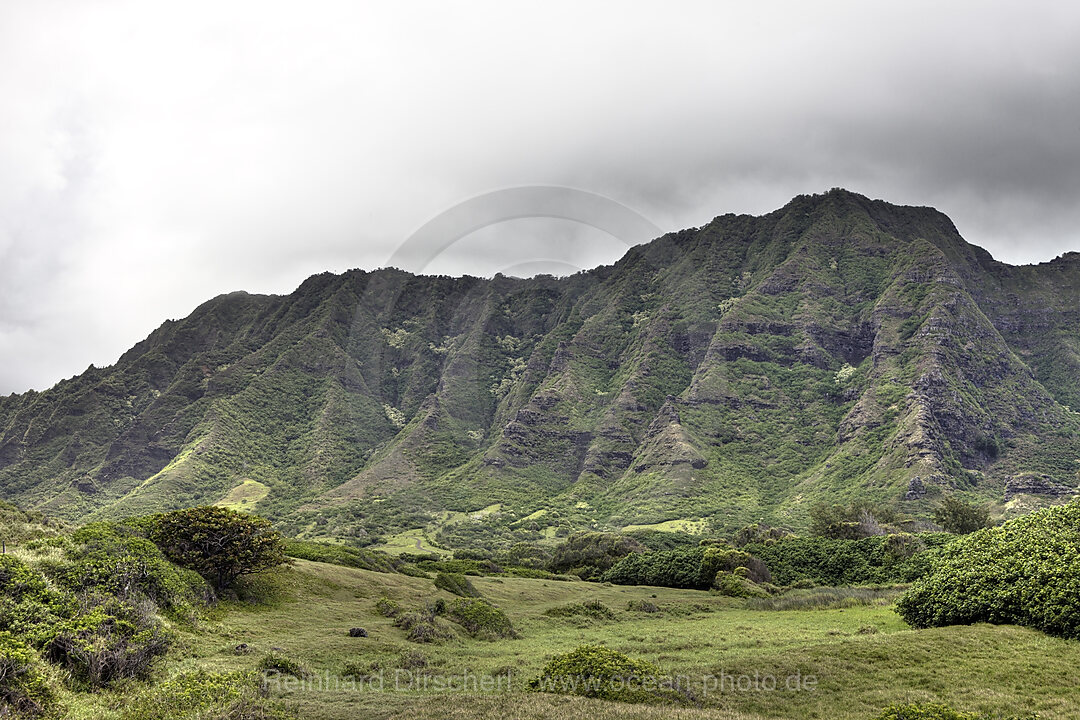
(838,347)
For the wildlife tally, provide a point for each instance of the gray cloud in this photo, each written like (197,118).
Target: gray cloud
(152,156)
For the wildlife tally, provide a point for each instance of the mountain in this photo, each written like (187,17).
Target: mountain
(837,348)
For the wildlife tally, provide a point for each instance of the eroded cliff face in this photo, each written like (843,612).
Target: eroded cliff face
(836,348)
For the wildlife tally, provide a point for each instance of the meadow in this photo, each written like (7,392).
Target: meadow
(852,653)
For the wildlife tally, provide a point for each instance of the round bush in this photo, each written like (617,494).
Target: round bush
(1026,572)
(600,672)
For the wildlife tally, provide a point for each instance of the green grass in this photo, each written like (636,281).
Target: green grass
(410,541)
(862,656)
(245,496)
(691,527)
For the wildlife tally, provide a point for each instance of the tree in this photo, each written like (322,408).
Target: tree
(218,543)
(860,519)
(961,518)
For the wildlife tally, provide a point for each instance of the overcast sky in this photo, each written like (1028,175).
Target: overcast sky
(153,155)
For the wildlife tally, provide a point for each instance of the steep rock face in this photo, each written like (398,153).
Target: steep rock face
(836,348)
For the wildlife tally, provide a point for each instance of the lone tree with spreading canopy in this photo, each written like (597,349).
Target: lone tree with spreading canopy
(218,543)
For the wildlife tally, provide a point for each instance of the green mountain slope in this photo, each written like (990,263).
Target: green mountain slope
(837,348)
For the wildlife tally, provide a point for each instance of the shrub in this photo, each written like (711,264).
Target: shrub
(457,584)
(422,627)
(642,606)
(679,568)
(592,552)
(218,543)
(733,585)
(961,518)
(481,619)
(24,691)
(279,662)
(201,695)
(591,608)
(1026,572)
(759,534)
(113,558)
(343,555)
(851,522)
(693,568)
(599,672)
(387,607)
(112,641)
(835,562)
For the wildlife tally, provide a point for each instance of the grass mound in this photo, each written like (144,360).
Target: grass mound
(600,672)
(481,619)
(590,609)
(457,584)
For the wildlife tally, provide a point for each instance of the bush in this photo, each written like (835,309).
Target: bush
(599,672)
(851,522)
(387,607)
(642,606)
(203,695)
(592,552)
(834,562)
(693,568)
(112,641)
(218,543)
(277,661)
(591,609)
(961,518)
(733,585)
(24,691)
(481,619)
(113,558)
(1026,572)
(343,555)
(422,627)
(456,584)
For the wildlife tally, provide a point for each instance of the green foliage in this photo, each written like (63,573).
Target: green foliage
(337,554)
(833,562)
(593,552)
(457,584)
(733,585)
(113,641)
(387,607)
(218,543)
(686,567)
(959,517)
(481,619)
(757,534)
(599,672)
(423,626)
(24,689)
(680,568)
(860,519)
(590,609)
(205,695)
(1026,572)
(277,661)
(116,559)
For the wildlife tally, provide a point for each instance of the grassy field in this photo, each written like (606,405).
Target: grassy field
(850,659)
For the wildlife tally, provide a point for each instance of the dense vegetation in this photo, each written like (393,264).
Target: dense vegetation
(1026,572)
(102,604)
